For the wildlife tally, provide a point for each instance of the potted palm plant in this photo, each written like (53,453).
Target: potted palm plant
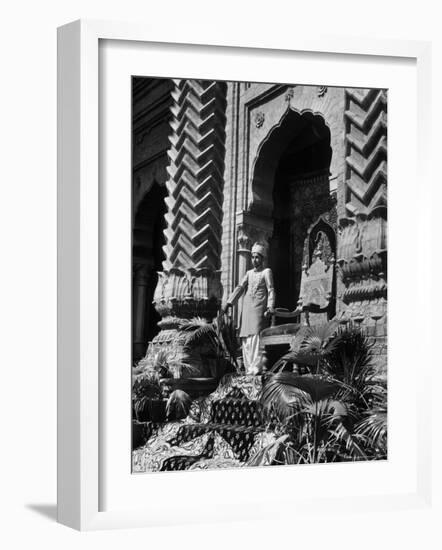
(216,340)
(147,398)
(335,412)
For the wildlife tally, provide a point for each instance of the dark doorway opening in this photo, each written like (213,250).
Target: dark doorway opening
(147,258)
(301,193)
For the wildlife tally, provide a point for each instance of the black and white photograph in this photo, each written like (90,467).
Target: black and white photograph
(259,265)
(201,204)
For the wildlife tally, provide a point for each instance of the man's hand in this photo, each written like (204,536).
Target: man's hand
(269,312)
(226,308)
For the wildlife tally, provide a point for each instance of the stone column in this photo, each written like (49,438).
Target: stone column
(363,232)
(189,284)
(244,247)
(141,276)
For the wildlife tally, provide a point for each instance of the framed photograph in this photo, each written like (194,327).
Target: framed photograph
(231,304)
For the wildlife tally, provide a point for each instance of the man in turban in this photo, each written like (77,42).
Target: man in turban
(259,303)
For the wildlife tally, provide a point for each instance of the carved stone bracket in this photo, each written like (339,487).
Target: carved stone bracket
(251,229)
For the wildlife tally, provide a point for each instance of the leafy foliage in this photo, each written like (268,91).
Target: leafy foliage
(178,405)
(147,397)
(339,413)
(271,453)
(178,369)
(199,331)
(285,393)
(219,337)
(372,428)
(159,365)
(146,385)
(310,346)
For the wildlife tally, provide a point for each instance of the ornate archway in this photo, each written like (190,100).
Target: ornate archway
(289,189)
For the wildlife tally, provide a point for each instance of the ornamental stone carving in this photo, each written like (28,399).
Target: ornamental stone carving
(362,261)
(259,119)
(366,141)
(289,95)
(317,278)
(187,293)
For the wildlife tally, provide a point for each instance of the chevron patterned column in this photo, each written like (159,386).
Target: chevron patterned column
(362,250)
(189,284)
(366,140)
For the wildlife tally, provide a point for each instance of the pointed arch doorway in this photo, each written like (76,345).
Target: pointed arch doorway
(290,191)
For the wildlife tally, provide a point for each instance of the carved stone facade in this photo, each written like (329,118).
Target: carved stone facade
(260,162)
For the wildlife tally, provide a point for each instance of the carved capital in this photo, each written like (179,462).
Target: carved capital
(188,293)
(244,240)
(248,235)
(251,229)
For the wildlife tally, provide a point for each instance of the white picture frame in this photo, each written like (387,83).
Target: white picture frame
(80,294)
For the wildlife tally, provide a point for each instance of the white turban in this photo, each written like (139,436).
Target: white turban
(259,249)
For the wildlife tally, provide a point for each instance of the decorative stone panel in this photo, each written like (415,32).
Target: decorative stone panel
(195,184)
(366,154)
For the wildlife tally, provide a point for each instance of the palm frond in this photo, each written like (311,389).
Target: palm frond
(280,396)
(178,369)
(285,392)
(298,339)
(309,346)
(344,438)
(266,456)
(289,358)
(146,384)
(320,333)
(351,359)
(178,405)
(192,324)
(226,334)
(200,332)
(331,408)
(374,429)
